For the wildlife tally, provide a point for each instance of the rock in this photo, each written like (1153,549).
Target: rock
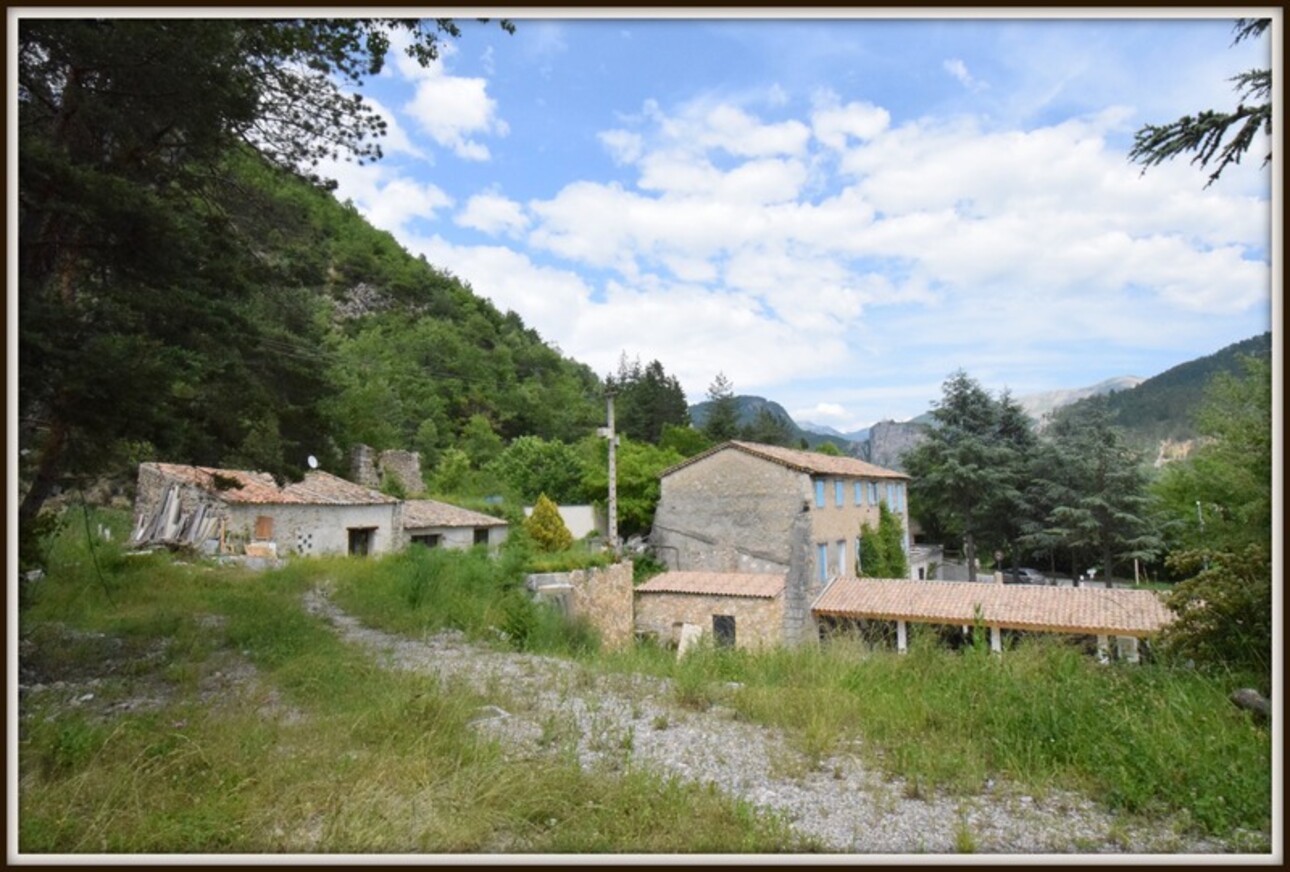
(1250,699)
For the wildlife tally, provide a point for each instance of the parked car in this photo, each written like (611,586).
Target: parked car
(1024,576)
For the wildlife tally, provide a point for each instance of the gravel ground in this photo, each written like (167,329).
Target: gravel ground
(546,705)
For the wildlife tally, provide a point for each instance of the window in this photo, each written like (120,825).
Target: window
(873,493)
(838,498)
(429,540)
(888,498)
(481,535)
(859,493)
(900,496)
(723,627)
(822,561)
(842,557)
(819,493)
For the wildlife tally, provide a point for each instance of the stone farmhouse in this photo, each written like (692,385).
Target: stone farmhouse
(229,511)
(762,545)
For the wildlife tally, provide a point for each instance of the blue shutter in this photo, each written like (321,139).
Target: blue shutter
(822,561)
(819,494)
(859,493)
(842,557)
(837,492)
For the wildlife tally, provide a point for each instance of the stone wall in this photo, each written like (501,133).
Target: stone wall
(602,595)
(758,621)
(730,512)
(362,466)
(404,467)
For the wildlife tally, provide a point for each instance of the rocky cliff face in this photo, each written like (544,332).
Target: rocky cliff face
(888,440)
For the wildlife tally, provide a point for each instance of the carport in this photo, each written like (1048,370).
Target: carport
(1128,615)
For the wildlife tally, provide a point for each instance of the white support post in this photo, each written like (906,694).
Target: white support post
(996,640)
(901,639)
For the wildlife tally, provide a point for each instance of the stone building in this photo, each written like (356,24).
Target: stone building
(743,610)
(733,508)
(747,508)
(434,525)
(232,511)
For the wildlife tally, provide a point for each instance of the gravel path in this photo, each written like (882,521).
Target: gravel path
(546,705)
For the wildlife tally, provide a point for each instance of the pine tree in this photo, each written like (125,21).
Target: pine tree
(722,422)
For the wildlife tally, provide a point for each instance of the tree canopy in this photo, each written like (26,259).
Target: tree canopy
(1206,133)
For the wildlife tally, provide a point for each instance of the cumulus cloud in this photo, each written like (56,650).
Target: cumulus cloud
(493,214)
(454,111)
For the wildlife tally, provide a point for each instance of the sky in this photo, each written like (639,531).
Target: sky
(835,213)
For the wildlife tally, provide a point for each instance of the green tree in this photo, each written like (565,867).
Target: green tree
(829,448)
(722,422)
(140,262)
(882,550)
(546,528)
(955,469)
(685,441)
(638,465)
(480,441)
(647,400)
(1206,133)
(1107,506)
(531,466)
(1224,607)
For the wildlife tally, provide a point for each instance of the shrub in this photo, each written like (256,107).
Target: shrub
(546,528)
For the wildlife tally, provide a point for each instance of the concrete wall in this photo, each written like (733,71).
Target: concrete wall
(758,621)
(314,530)
(459,537)
(730,512)
(580,520)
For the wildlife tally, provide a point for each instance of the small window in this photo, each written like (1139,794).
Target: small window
(263,528)
(481,535)
(429,540)
(859,493)
(822,561)
(873,493)
(900,496)
(723,627)
(838,499)
(819,494)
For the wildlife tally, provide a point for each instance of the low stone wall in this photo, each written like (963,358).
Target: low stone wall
(602,595)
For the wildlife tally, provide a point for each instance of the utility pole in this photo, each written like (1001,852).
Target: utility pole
(608,432)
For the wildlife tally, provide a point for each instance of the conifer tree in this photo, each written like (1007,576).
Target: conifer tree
(546,528)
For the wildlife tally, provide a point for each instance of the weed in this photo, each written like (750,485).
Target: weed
(661,722)
(964,840)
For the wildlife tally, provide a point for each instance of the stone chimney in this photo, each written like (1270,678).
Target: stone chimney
(362,466)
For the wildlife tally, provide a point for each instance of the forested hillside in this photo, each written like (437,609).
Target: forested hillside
(190,291)
(1165,406)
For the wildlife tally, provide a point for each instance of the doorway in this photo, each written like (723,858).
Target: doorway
(360,540)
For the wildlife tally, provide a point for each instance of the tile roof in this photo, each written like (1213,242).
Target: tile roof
(811,462)
(318,488)
(751,584)
(428,513)
(1019,607)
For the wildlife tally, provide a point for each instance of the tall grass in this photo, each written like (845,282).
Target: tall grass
(316,750)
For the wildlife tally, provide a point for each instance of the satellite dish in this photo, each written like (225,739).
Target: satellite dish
(313,462)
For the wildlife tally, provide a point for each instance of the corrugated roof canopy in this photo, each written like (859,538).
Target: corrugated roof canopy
(811,462)
(750,584)
(429,513)
(1019,607)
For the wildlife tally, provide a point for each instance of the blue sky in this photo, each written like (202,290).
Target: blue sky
(838,213)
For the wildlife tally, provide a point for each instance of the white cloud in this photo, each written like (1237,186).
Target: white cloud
(451,110)
(623,145)
(956,68)
(833,124)
(493,214)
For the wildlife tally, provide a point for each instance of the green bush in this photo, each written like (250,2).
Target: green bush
(546,528)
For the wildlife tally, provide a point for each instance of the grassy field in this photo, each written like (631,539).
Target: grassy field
(263,732)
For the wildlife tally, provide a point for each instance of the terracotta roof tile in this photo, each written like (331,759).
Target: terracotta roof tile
(1021,607)
(429,513)
(750,584)
(318,488)
(811,462)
